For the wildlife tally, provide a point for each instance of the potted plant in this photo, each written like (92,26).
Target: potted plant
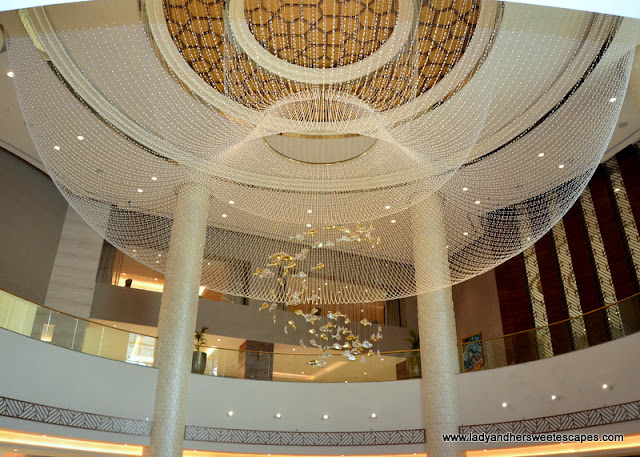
(413,361)
(199,359)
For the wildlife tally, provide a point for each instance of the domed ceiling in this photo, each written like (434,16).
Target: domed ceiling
(323,34)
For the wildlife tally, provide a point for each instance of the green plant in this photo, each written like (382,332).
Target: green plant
(199,338)
(413,339)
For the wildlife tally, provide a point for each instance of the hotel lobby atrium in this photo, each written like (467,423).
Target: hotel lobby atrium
(319,228)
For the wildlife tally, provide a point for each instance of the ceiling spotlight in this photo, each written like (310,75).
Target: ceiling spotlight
(308,225)
(541,154)
(218,339)
(293,349)
(325,417)
(80,137)
(278,415)
(504,405)
(231,202)
(393,221)
(154,178)
(465,233)
(157,261)
(553,397)
(57,148)
(477,202)
(560,166)
(373,415)
(140,190)
(224,215)
(10,74)
(159,255)
(229,413)
(605,386)
(309,211)
(464,189)
(387,207)
(613,99)
(135,250)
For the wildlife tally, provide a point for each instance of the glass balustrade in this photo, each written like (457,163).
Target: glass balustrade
(309,365)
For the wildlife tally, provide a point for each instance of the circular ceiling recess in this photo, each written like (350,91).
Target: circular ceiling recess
(321,33)
(388,51)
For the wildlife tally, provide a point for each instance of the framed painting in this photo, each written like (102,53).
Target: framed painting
(472,353)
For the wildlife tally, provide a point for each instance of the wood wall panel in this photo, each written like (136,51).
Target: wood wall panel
(629,163)
(552,289)
(516,310)
(622,274)
(585,275)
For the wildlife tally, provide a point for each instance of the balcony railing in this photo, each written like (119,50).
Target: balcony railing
(309,365)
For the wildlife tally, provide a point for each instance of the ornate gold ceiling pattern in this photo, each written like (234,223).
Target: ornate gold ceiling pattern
(322,34)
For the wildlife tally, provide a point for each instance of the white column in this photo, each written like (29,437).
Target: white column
(176,326)
(437,329)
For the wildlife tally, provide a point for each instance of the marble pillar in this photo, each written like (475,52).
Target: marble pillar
(176,325)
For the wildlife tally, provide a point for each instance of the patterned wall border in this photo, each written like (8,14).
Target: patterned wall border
(623,412)
(24,410)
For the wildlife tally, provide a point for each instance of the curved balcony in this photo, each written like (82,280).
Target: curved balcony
(309,364)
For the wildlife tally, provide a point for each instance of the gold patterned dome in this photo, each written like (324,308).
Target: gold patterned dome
(323,35)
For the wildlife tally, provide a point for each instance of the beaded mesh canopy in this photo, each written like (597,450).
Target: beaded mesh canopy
(338,139)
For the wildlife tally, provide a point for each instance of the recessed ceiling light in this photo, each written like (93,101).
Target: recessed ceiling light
(57,148)
(541,154)
(362,310)
(325,417)
(387,207)
(373,415)
(154,178)
(613,99)
(293,349)
(464,189)
(231,202)
(326,283)
(155,279)
(157,261)
(504,405)
(229,413)
(477,202)
(218,339)
(10,74)
(278,415)
(561,166)
(553,397)
(393,221)
(466,233)
(224,215)
(605,386)
(135,250)
(80,137)
(159,255)
(308,225)
(140,190)
(309,211)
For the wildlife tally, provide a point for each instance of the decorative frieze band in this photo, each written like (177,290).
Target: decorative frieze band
(605,415)
(19,409)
